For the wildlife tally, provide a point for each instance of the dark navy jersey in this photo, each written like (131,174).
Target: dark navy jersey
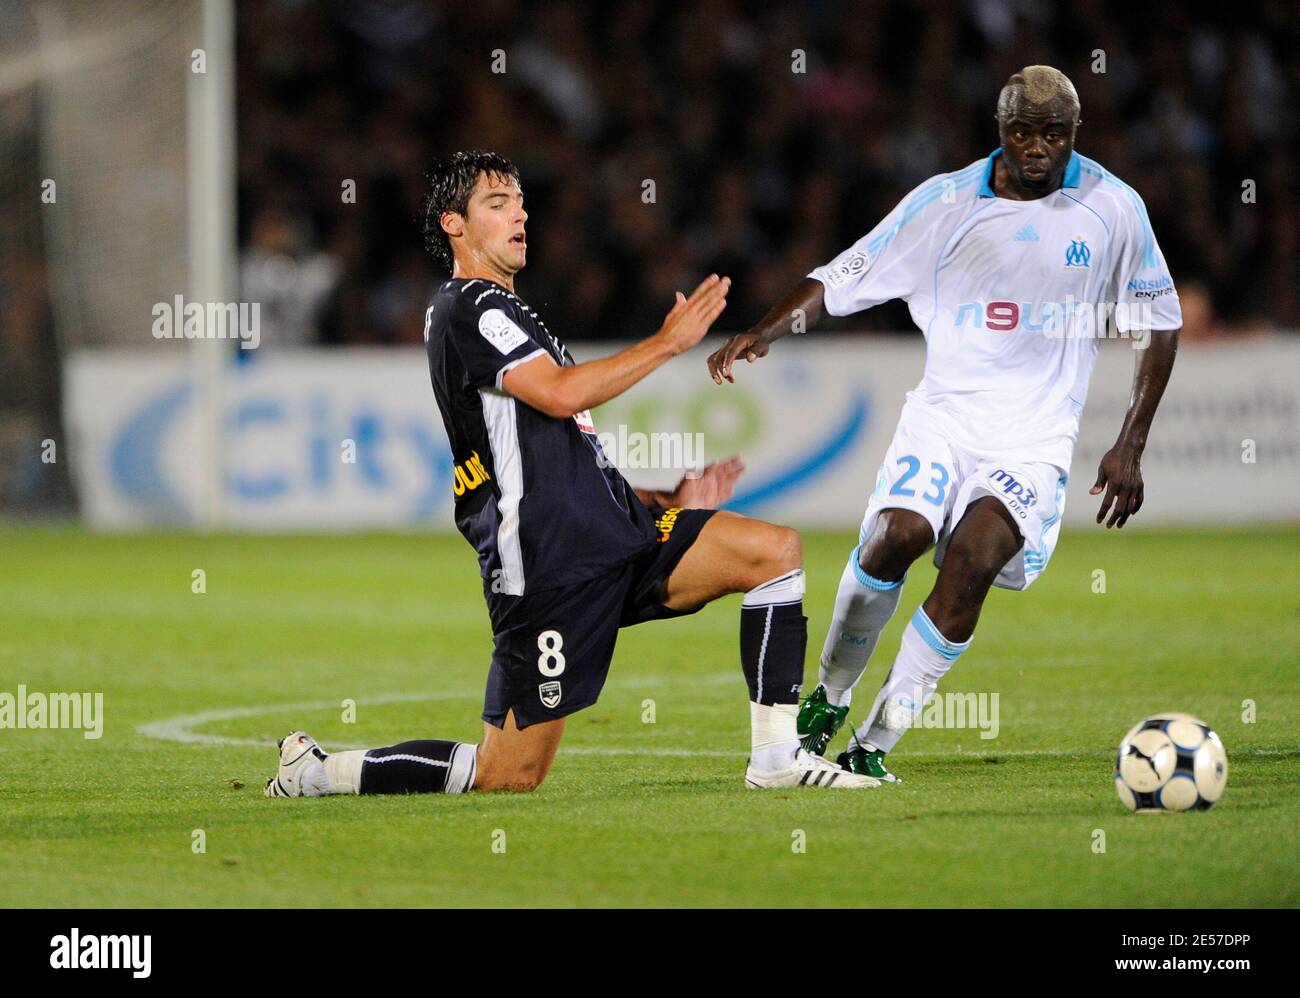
(534,494)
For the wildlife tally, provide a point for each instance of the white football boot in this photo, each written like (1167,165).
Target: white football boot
(297,751)
(808,771)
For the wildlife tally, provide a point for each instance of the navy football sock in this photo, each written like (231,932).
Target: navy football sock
(773,639)
(419,767)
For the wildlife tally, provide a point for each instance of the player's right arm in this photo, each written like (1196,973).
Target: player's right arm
(806,301)
(563,391)
(879,267)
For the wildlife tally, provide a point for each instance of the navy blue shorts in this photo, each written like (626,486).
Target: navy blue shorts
(553,648)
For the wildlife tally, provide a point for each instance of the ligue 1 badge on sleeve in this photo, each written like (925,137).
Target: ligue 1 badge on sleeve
(848,268)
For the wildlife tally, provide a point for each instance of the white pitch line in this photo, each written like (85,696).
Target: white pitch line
(179,729)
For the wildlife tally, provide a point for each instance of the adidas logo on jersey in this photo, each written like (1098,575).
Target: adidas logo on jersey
(1026,235)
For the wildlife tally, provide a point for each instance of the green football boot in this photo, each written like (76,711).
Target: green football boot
(819,721)
(858,760)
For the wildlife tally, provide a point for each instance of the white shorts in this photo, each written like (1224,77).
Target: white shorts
(928,474)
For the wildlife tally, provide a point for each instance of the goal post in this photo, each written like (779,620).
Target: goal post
(213,267)
(117,181)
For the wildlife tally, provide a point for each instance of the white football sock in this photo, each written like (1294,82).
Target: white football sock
(774,735)
(863,606)
(312,779)
(340,773)
(923,658)
(787,588)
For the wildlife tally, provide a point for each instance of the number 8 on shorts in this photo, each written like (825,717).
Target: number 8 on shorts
(551,660)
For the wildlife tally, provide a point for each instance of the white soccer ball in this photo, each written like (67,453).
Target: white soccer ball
(1170,762)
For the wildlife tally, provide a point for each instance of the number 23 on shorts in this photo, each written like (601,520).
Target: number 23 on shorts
(938,485)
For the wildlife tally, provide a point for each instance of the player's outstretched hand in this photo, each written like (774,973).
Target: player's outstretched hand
(710,487)
(751,346)
(691,317)
(1120,473)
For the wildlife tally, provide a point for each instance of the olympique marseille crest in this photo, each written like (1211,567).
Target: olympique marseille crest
(1077,254)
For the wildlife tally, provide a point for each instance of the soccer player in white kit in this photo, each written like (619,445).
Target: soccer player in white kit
(1012,268)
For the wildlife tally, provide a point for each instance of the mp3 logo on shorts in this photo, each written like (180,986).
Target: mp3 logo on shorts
(1019,497)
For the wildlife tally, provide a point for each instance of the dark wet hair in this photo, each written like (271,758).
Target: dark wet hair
(451,182)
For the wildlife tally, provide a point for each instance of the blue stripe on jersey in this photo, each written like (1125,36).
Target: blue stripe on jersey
(939,182)
(1083,204)
(1095,169)
(925,196)
(924,199)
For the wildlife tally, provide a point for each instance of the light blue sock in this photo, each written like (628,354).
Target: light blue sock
(923,658)
(863,606)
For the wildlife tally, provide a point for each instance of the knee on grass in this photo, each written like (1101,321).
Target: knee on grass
(519,784)
(510,776)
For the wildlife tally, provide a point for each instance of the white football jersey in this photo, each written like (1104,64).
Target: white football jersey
(1012,297)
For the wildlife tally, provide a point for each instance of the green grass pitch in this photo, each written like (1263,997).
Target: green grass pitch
(633,813)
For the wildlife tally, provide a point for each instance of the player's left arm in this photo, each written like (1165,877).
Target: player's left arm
(1147,308)
(1120,472)
(707,488)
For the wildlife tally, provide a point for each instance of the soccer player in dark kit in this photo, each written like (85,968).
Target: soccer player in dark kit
(569,552)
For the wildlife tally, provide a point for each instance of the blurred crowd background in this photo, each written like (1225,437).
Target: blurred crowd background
(775,132)
(760,171)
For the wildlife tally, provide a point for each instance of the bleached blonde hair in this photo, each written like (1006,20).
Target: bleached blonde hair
(1038,85)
